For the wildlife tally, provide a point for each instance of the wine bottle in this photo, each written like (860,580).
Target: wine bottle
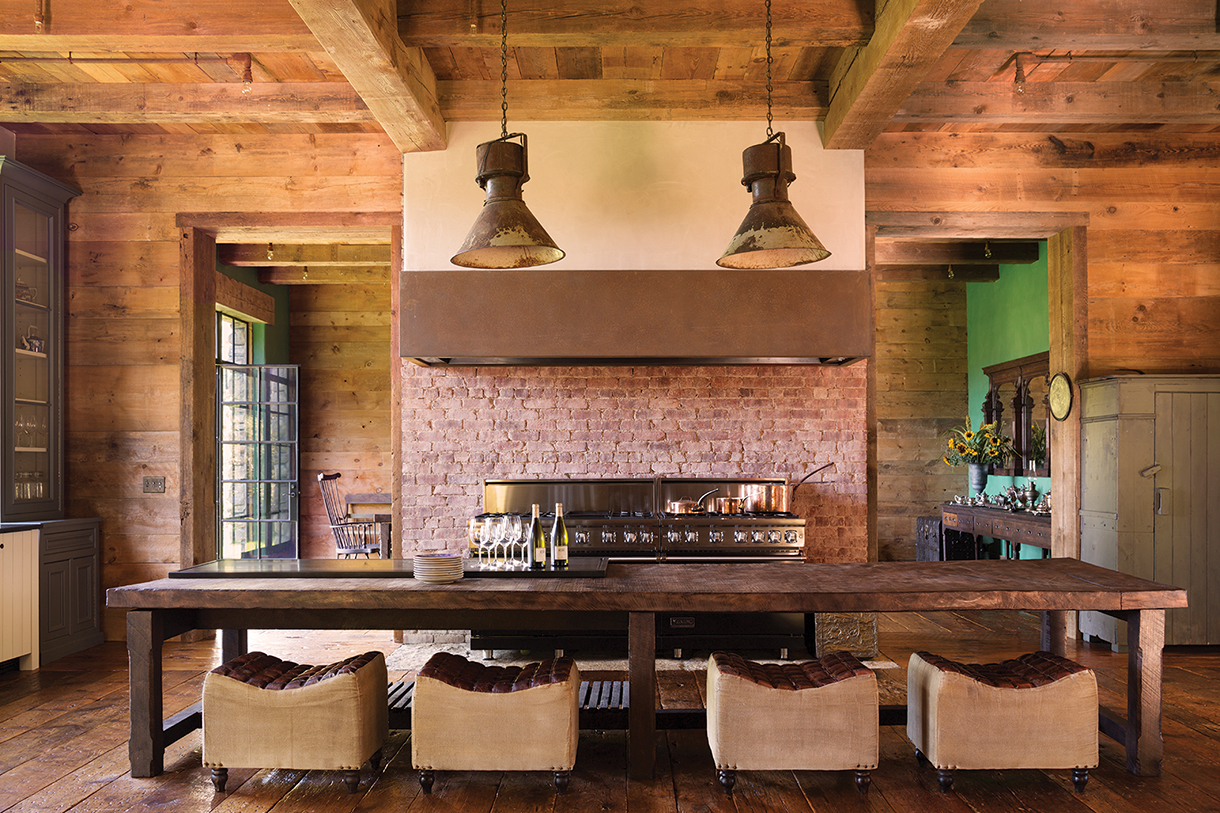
(537,542)
(559,539)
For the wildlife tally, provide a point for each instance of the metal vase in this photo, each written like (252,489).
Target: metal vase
(978,476)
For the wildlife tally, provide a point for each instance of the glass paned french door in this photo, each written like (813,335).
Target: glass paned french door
(257,461)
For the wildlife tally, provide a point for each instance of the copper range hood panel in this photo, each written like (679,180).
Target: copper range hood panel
(541,316)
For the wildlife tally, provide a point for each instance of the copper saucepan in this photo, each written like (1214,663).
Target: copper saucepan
(685,506)
(729,505)
(774,498)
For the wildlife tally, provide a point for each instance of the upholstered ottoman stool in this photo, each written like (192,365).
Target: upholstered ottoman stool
(466,716)
(262,712)
(1036,711)
(814,716)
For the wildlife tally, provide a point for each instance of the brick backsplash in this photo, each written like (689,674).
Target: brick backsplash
(465,424)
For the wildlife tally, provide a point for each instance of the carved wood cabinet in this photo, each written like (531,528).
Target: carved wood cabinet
(1016,402)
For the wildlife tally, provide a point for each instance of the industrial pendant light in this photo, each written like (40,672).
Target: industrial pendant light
(505,234)
(772,234)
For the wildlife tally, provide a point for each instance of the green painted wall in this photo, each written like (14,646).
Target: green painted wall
(1006,319)
(270,342)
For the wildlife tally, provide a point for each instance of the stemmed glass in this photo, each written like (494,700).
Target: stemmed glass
(487,536)
(516,537)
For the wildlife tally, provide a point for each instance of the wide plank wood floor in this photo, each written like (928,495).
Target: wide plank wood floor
(63,744)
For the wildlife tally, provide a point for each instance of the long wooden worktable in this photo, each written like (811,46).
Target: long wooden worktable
(631,594)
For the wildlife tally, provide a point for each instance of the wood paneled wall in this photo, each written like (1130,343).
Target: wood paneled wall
(123,347)
(921,393)
(1153,275)
(1153,235)
(340,335)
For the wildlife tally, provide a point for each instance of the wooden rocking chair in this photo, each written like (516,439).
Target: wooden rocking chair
(352,538)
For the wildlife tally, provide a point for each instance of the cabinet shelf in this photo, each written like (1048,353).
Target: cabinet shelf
(31,256)
(25,303)
(31,449)
(29,353)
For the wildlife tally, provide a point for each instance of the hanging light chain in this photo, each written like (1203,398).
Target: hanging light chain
(770,132)
(504,68)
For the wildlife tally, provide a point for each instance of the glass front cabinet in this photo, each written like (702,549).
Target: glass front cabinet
(31,430)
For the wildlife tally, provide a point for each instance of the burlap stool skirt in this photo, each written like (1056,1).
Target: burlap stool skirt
(262,712)
(1036,711)
(466,716)
(814,716)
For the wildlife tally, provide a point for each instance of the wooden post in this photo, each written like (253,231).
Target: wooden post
(1067,262)
(1054,631)
(1145,641)
(146,746)
(396,363)
(642,678)
(232,644)
(197,315)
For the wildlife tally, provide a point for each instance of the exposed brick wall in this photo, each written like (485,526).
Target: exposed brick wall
(464,425)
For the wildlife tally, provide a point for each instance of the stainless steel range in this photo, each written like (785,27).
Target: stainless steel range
(625,520)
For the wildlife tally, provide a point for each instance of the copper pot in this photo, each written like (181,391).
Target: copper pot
(685,506)
(774,497)
(729,505)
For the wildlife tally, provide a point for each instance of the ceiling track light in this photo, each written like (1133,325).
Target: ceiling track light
(505,234)
(772,235)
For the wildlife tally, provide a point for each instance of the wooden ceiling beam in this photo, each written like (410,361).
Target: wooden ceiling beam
(264,255)
(154,26)
(947,273)
(396,82)
(1064,103)
(869,84)
(968,225)
(644,24)
(159,103)
(1120,25)
(630,99)
(325,275)
(914,253)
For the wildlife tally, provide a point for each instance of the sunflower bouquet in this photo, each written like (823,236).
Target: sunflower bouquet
(986,446)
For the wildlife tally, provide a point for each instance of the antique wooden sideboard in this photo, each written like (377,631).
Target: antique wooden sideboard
(1014,527)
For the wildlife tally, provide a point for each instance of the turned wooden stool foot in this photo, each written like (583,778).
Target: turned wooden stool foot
(945,778)
(1080,778)
(219,777)
(425,780)
(863,780)
(728,778)
(561,781)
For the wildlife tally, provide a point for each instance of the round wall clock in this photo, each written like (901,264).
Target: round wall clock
(1060,396)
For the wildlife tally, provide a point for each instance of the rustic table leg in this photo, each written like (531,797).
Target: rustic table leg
(146,747)
(1145,642)
(1054,631)
(232,644)
(642,676)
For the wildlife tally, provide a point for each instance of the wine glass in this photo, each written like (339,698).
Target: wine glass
(516,535)
(487,536)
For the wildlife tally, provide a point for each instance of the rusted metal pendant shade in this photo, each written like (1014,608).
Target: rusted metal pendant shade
(772,235)
(505,234)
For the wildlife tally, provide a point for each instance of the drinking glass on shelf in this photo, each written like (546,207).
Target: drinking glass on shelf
(23,426)
(41,438)
(473,526)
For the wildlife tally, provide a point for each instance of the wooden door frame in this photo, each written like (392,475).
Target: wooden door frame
(197,381)
(1067,286)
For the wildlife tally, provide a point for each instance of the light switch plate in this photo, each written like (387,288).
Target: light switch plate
(154,485)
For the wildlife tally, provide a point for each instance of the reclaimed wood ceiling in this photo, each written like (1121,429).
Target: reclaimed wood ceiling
(861,68)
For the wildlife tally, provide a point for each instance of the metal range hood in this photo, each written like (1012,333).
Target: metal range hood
(541,316)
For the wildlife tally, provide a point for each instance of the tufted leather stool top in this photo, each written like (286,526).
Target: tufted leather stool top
(1025,672)
(471,676)
(828,669)
(269,672)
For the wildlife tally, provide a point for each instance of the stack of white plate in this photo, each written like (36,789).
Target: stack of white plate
(438,568)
